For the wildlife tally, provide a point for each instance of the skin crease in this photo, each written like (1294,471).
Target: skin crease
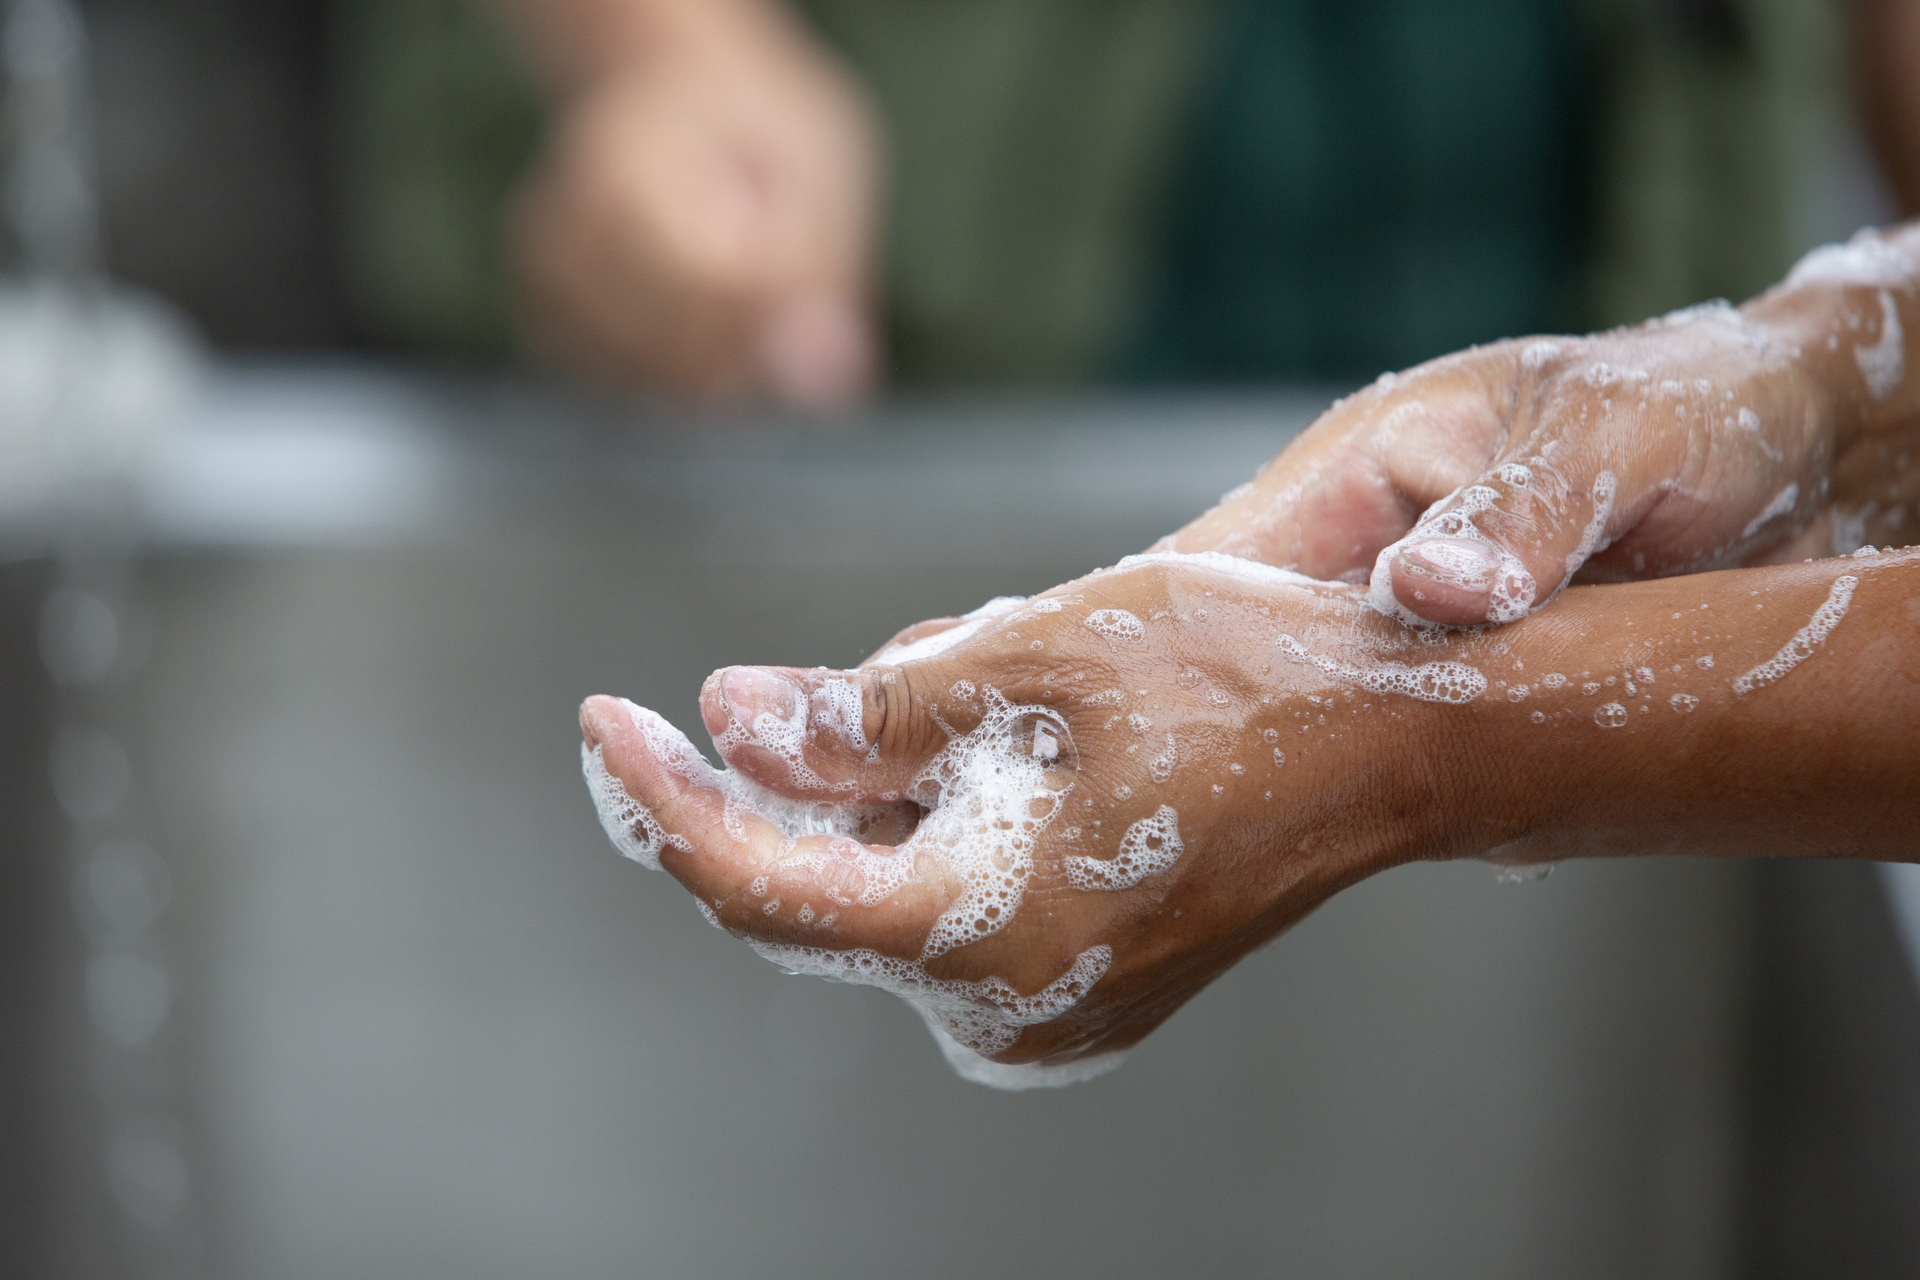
(1369,781)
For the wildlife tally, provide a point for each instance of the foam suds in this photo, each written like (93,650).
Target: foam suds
(1606,488)
(1161,766)
(1450,682)
(628,823)
(1865,260)
(635,832)
(1511,590)
(1805,640)
(1537,355)
(1150,846)
(1012,1077)
(984,1017)
(1253,571)
(1115,624)
(988,796)
(1782,504)
(1884,364)
(941,641)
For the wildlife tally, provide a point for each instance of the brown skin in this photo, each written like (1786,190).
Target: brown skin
(703,220)
(1369,780)
(1690,480)
(1822,762)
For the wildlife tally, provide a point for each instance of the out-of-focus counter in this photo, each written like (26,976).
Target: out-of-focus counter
(431,1025)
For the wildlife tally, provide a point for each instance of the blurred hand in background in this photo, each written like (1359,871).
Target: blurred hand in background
(704,217)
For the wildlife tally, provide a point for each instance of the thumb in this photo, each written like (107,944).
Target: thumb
(1496,549)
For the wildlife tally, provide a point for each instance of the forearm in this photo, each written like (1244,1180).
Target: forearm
(1771,711)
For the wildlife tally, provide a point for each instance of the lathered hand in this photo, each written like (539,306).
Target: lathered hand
(1052,823)
(1475,487)
(1049,827)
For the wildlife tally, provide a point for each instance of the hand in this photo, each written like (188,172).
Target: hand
(704,221)
(1049,849)
(1054,831)
(1475,487)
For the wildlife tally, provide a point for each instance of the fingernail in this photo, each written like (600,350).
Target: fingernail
(590,727)
(752,692)
(1456,560)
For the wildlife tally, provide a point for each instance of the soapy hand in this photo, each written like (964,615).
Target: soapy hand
(703,220)
(1050,824)
(1471,489)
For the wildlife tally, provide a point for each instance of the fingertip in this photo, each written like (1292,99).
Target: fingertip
(600,718)
(713,704)
(1434,599)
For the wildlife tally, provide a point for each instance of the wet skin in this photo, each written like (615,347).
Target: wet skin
(1615,719)
(1824,761)
(1697,484)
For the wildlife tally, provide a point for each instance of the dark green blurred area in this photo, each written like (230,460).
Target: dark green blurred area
(1366,185)
(1147,190)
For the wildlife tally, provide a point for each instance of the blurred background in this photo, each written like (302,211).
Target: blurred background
(332,476)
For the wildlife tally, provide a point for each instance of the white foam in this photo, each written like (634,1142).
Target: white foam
(1884,364)
(941,641)
(1805,640)
(1537,355)
(1606,488)
(628,823)
(635,831)
(985,1017)
(930,646)
(1783,503)
(988,798)
(1610,715)
(988,794)
(1017,1077)
(839,709)
(1161,766)
(1449,682)
(1511,589)
(1150,846)
(1115,624)
(1865,260)
(1253,571)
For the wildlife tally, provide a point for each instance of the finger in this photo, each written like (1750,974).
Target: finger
(1557,494)
(1358,478)
(862,736)
(755,878)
